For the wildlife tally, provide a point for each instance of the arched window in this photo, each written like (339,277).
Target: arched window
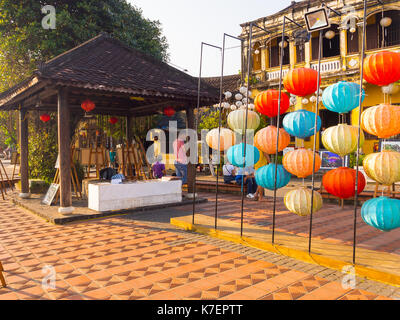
(257,56)
(330,47)
(274,52)
(352,42)
(380,37)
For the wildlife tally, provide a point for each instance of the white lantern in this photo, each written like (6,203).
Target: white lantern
(304,101)
(238,96)
(244,100)
(385,22)
(257,51)
(239,104)
(330,34)
(249,95)
(251,106)
(285,44)
(226,105)
(228,95)
(313,99)
(233,107)
(243,90)
(293,100)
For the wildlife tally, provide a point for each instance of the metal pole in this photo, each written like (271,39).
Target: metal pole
(277,126)
(359,130)
(315,138)
(244,138)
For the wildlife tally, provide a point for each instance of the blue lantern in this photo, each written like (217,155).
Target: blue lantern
(382,213)
(342,97)
(301,123)
(265,176)
(236,153)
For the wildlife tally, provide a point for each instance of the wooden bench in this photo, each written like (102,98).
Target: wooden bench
(2,280)
(210,186)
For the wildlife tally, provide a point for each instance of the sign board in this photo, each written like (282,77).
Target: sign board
(330,160)
(51,193)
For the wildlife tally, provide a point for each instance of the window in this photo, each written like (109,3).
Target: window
(379,37)
(257,56)
(352,42)
(330,47)
(300,53)
(274,58)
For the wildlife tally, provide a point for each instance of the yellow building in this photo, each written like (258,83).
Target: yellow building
(340,55)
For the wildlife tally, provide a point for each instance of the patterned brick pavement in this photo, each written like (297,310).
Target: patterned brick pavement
(132,257)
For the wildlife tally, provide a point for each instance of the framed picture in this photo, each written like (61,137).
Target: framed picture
(393,145)
(50,195)
(330,160)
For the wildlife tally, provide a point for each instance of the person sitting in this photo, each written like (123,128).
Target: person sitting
(229,172)
(158,168)
(247,175)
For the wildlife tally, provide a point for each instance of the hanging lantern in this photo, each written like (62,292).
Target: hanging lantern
(228,95)
(301,81)
(383,167)
(300,162)
(113,120)
(237,120)
(235,155)
(261,162)
(227,139)
(330,34)
(265,177)
(298,201)
(381,120)
(385,22)
(304,101)
(45,117)
(342,139)
(238,96)
(265,139)
(301,123)
(382,68)
(285,44)
(169,111)
(341,182)
(88,105)
(382,213)
(267,102)
(342,97)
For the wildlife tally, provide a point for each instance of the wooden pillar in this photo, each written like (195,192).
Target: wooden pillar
(191,166)
(23,144)
(64,151)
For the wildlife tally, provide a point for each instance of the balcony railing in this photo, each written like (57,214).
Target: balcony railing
(328,66)
(274,75)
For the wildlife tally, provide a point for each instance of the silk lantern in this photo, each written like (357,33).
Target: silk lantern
(169,111)
(227,139)
(88,105)
(382,213)
(341,182)
(265,176)
(265,139)
(235,155)
(381,121)
(45,117)
(301,123)
(342,139)
(383,167)
(267,103)
(113,120)
(263,161)
(298,201)
(300,162)
(382,68)
(301,81)
(342,97)
(237,120)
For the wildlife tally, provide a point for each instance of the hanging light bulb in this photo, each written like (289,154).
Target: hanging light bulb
(330,34)
(385,22)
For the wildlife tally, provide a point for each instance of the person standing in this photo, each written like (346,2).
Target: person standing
(181,161)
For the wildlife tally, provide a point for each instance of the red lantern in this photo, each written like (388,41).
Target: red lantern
(113,120)
(341,182)
(169,111)
(88,105)
(45,117)
(267,103)
(301,81)
(382,68)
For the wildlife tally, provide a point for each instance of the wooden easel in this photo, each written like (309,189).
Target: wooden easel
(2,280)
(3,187)
(142,154)
(15,160)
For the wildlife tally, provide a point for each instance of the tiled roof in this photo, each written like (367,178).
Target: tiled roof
(229,83)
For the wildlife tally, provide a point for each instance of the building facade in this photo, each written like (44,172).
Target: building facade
(340,52)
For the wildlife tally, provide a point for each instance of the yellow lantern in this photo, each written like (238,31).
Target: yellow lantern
(300,162)
(265,139)
(237,120)
(227,139)
(262,162)
(381,121)
(342,139)
(298,201)
(383,167)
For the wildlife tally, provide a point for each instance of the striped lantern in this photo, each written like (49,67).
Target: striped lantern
(341,182)
(298,201)
(237,120)
(301,81)
(265,139)
(267,102)
(383,167)
(382,68)
(301,123)
(300,162)
(235,155)
(382,213)
(342,139)
(227,139)
(342,97)
(381,120)
(265,177)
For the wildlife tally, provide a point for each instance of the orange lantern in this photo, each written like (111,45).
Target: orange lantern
(267,103)
(381,120)
(113,120)
(88,105)
(382,68)
(341,182)
(265,139)
(45,117)
(301,81)
(300,162)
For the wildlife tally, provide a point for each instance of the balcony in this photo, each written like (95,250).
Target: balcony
(332,65)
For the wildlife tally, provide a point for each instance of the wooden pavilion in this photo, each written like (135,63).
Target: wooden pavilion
(121,81)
